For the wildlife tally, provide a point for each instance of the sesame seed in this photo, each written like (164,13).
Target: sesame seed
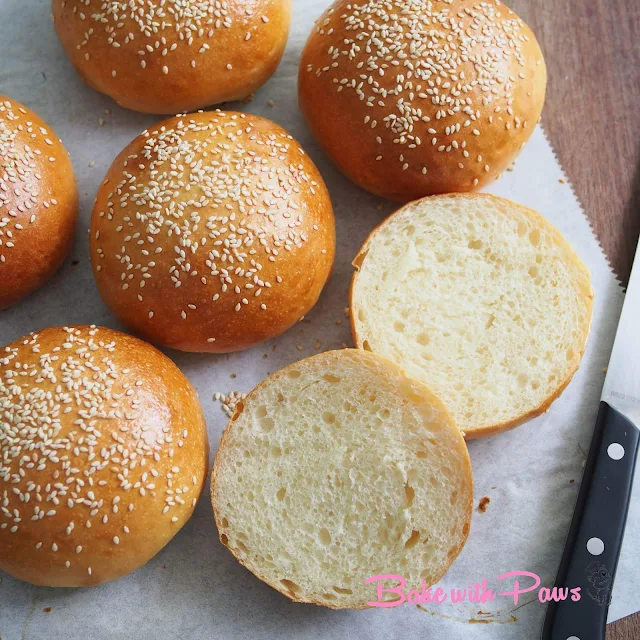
(229,402)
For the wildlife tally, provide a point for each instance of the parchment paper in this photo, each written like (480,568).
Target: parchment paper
(194,588)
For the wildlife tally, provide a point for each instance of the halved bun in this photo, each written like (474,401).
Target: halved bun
(338,468)
(478,297)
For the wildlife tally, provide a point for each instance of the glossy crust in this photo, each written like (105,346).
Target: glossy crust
(117,455)
(231,250)
(38,202)
(402,113)
(195,54)
(278,586)
(489,430)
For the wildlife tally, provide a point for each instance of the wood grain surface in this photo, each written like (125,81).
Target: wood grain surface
(592,113)
(592,117)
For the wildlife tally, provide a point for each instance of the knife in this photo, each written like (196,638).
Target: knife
(592,549)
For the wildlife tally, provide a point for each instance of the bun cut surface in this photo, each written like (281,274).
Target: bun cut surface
(339,468)
(478,297)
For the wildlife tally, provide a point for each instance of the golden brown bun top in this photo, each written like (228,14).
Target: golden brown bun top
(38,201)
(174,55)
(382,80)
(103,453)
(212,231)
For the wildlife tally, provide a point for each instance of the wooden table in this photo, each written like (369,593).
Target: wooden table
(592,117)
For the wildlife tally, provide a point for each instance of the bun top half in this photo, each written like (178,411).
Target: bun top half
(421,97)
(103,455)
(174,55)
(212,232)
(38,201)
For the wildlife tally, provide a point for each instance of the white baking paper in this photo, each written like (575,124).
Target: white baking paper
(194,588)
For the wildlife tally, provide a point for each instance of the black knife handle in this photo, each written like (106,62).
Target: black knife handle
(598,520)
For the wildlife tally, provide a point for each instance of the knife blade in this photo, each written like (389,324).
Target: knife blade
(595,536)
(622,383)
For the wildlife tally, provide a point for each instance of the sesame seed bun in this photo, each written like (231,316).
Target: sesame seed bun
(212,232)
(423,97)
(178,55)
(38,202)
(103,455)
